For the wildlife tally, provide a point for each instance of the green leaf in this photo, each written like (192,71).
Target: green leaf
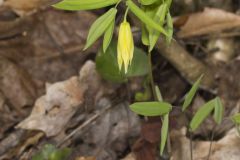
(159,19)
(169,28)
(108,35)
(150,11)
(139,65)
(45,152)
(147,2)
(106,64)
(151,108)
(191,93)
(144,18)
(169,2)
(74,5)
(50,152)
(164,133)
(107,67)
(236,118)
(60,154)
(218,111)
(100,26)
(145,35)
(158,94)
(202,114)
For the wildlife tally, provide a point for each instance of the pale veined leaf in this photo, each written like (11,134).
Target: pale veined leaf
(99,26)
(108,35)
(218,111)
(145,35)
(169,28)
(75,5)
(144,18)
(147,2)
(202,114)
(164,133)
(151,108)
(159,18)
(158,94)
(191,93)
(236,118)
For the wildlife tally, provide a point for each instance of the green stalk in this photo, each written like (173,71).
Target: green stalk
(150,75)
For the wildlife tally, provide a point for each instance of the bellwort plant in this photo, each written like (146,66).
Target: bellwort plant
(156,21)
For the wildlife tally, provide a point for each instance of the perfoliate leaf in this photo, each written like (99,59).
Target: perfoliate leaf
(144,18)
(218,111)
(191,93)
(151,108)
(75,5)
(100,26)
(164,133)
(108,35)
(202,114)
(159,18)
(147,2)
(106,64)
(236,118)
(139,65)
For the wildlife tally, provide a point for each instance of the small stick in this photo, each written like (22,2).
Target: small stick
(87,122)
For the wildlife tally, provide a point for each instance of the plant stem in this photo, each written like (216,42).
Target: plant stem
(156,98)
(169,148)
(211,141)
(151,75)
(191,146)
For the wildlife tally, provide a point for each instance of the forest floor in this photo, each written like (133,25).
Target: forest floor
(52,97)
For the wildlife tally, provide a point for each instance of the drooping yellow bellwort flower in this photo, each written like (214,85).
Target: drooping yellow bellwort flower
(125,46)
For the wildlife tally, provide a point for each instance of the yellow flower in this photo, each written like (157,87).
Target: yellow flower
(125,46)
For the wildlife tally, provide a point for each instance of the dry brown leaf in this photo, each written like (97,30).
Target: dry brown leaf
(23,7)
(151,130)
(209,21)
(16,85)
(130,156)
(225,148)
(86,158)
(52,111)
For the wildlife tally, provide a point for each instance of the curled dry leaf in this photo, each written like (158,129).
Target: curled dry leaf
(52,111)
(206,22)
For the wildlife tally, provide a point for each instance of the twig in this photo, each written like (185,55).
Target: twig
(178,57)
(87,122)
(12,140)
